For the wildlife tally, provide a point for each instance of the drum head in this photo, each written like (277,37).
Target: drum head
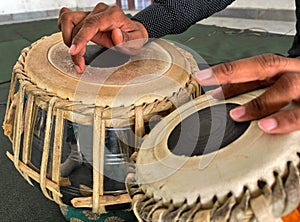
(201,163)
(111,78)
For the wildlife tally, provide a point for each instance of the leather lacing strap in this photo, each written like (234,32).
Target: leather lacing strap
(98,160)
(24,124)
(139,126)
(46,147)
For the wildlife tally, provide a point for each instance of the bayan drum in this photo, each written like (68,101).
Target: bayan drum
(72,134)
(199,165)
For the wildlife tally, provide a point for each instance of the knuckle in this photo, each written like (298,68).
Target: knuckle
(291,84)
(257,107)
(78,39)
(65,16)
(116,11)
(115,8)
(270,61)
(91,21)
(101,5)
(226,68)
(293,117)
(62,10)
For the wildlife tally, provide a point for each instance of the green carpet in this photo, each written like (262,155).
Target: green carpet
(15,37)
(217,44)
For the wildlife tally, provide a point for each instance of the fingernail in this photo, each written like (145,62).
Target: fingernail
(204,74)
(72,49)
(268,124)
(238,112)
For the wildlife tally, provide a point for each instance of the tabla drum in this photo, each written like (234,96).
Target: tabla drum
(72,134)
(199,165)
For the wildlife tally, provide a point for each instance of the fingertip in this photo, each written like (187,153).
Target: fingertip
(80,65)
(237,113)
(204,74)
(206,77)
(78,69)
(72,49)
(268,124)
(218,93)
(117,37)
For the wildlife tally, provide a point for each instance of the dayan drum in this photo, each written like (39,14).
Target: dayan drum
(199,165)
(72,134)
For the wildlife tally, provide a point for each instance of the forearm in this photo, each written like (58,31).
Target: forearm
(175,16)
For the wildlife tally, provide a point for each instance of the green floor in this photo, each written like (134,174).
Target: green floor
(21,202)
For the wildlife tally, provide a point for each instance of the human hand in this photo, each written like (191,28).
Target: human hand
(280,73)
(105,25)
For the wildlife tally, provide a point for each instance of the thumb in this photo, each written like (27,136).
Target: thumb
(127,42)
(117,37)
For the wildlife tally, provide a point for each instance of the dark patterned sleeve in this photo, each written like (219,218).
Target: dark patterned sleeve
(164,17)
(295,49)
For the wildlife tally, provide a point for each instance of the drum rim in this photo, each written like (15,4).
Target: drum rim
(68,88)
